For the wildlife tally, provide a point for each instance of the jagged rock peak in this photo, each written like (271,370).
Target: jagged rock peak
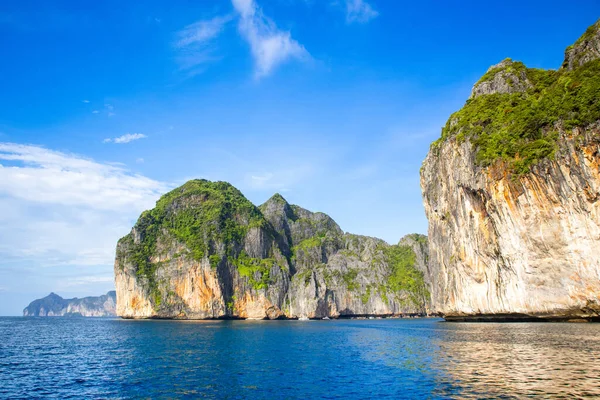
(205,251)
(586,48)
(277,199)
(298,222)
(277,204)
(507,76)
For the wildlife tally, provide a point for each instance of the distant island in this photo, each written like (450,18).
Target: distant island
(55,306)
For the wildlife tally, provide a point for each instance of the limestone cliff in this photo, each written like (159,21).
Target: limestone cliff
(205,251)
(55,306)
(511,193)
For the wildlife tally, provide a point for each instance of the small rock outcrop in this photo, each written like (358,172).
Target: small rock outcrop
(585,49)
(507,76)
(511,194)
(55,306)
(206,252)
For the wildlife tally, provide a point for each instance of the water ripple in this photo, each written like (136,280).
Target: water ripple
(74,358)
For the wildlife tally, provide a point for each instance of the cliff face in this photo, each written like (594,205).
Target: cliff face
(55,306)
(511,193)
(206,252)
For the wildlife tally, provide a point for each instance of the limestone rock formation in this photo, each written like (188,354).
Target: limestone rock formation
(511,193)
(205,251)
(587,48)
(505,77)
(55,306)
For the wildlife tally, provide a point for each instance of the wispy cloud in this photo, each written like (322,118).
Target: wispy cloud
(128,137)
(63,209)
(270,46)
(359,11)
(280,180)
(193,43)
(201,32)
(261,180)
(109,110)
(85,101)
(86,280)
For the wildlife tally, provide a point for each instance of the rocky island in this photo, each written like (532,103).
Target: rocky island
(55,306)
(205,251)
(511,191)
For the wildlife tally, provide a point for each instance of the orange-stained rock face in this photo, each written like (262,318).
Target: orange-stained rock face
(500,245)
(271,272)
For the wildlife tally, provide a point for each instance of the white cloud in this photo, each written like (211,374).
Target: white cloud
(129,137)
(86,280)
(63,209)
(281,180)
(194,44)
(109,109)
(359,11)
(201,32)
(195,62)
(270,46)
(261,181)
(85,101)
(47,176)
(139,160)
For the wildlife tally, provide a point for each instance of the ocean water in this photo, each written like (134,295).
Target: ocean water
(67,358)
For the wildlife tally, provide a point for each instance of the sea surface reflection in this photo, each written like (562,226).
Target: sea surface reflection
(96,358)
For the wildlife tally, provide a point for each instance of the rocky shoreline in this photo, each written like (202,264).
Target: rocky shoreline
(514,317)
(284,318)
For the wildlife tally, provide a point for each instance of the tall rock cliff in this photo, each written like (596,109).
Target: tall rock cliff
(55,306)
(511,193)
(205,251)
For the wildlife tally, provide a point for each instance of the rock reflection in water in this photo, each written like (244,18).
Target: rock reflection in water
(519,359)
(344,359)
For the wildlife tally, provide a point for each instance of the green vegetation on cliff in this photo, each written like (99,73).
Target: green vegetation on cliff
(522,127)
(256,270)
(404,276)
(588,35)
(202,215)
(212,222)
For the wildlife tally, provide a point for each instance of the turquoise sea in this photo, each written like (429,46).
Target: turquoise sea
(69,358)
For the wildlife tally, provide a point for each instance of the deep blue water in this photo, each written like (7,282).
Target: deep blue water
(99,358)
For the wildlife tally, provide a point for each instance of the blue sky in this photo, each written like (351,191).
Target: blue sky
(106,105)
